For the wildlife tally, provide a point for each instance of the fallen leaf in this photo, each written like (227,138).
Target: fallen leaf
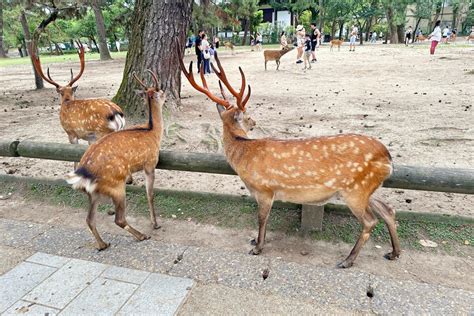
(378,247)
(466,242)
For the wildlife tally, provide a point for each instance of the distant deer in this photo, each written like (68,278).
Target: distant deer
(336,42)
(275,54)
(230,46)
(87,119)
(106,164)
(305,171)
(470,37)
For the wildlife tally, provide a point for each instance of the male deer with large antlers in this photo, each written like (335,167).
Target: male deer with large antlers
(105,165)
(87,119)
(306,171)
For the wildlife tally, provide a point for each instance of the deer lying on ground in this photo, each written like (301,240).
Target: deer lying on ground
(336,42)
(470,37)
(106,164)
(275,54)
(87,119)
(304,171)
(421,38)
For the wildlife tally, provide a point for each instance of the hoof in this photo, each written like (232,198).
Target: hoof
(255,251)
(253,242)
(156,226)
(391,256)
(103,246)
(345,264)
(144,237)
(111,212)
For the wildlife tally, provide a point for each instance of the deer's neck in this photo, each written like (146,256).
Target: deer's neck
(155,121)
(236,142)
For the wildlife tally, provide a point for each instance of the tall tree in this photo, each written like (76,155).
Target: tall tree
(3,54)
(157,27)
(100,25)
(26,31)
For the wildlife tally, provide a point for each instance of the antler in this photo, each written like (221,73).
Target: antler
(153,76)
(204,89)
(81,58)
(37,65)
(222,76)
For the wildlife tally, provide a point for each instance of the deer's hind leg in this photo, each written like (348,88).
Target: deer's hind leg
(118,198)
(93,203)
(360,208)
(388,215)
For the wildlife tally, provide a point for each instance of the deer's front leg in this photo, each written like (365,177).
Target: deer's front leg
(265,202)
(73,140)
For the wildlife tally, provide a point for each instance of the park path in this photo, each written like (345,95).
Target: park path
(177,278)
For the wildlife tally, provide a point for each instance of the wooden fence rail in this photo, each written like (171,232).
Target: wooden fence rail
(403,177)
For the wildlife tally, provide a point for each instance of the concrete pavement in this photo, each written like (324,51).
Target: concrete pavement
(222,281)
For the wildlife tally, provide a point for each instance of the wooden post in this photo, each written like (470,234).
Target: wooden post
(312,217)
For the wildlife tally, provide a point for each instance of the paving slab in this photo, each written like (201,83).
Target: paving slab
(159,295)
(125,275)
(102,297)
(30,309)
(48,260)
(20,280)
(65,284)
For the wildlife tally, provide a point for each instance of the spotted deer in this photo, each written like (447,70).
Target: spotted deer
(87,119)
(106,164)
(275,54)
(305,171)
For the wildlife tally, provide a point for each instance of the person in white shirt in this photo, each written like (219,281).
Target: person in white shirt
(353,39)
(373,39)
(206,54)
(445,34)
(435,37)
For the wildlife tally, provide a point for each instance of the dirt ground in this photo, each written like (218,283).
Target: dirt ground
(419,106)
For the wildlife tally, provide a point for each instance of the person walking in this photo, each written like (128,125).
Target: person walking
(315,35)
(258,41)
(300,35)
(435,37)
(445,34)
(283,40)
(408,34)
(206,54)
(373,38)
(216,42)
(353,39)
(197,49)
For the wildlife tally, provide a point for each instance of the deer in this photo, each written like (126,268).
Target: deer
(106,164)
(86,119)
(303,171)
(336,42)
(275,54)
(230,46)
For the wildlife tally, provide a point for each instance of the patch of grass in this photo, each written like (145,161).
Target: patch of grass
(240,213)
(47,59)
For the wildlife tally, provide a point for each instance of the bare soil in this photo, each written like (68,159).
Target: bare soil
(419,106)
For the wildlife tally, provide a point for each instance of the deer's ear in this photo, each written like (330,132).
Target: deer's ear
(220,109)
(74,89)
(140,93)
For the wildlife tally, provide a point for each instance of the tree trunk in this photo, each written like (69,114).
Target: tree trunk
(439,6)
(322,12)
(333,29)
(100,26)
(246,30)
(26,31)
(341,27)
(95,44)
(159,26)
(415,30)
(362,28)
(3,54)
(401,33)
(392,28)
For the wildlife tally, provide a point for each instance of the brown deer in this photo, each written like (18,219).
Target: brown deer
(87,119)
(305,171)
(106,164)
(275,54)
(230,46)
(336,42)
